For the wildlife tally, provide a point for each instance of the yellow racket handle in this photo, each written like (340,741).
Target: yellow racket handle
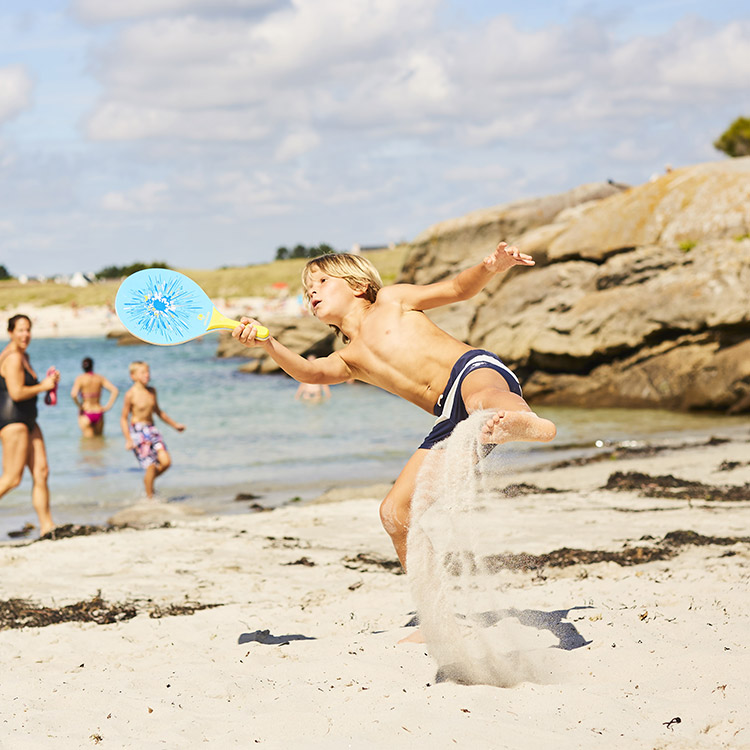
(221,321)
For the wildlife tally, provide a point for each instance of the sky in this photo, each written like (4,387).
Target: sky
(208,133)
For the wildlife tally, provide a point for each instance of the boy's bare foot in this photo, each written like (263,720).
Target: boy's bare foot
(415,637)
(510,426)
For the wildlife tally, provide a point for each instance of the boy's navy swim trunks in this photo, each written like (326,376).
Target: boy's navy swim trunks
(450,408)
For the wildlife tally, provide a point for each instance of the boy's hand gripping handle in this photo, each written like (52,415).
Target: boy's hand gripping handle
(221,321)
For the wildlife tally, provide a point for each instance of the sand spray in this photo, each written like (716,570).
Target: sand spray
(457,596)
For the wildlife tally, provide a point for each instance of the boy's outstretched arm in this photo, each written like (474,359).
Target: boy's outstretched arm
(165,417)
(464,285)
(320,371)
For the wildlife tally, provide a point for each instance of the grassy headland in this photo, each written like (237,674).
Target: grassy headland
(244,281)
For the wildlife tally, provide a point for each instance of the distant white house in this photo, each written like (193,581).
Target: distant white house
(78,280)
(358,249)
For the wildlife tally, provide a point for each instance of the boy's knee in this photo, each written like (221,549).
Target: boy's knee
(164,460)
(40,473)
(394,515)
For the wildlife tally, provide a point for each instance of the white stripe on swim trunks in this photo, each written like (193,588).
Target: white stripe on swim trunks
(447,407)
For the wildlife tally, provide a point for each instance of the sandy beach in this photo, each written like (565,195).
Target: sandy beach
(69,321)
(282,628)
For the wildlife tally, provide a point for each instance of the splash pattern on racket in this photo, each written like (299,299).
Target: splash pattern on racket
(165,307)
(161,306)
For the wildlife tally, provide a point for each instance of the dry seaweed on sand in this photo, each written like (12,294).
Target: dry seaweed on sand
(367,561)
(173,610)
(25,530)
(68,530)
(65,531)
(664,549)
(22,613)
(670,486)
(524,488)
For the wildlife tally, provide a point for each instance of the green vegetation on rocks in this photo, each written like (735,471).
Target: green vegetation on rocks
(735,140)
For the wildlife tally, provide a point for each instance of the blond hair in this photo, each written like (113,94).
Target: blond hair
(135,364)
(357,271)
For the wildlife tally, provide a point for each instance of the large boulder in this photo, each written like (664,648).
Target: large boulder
(703,202)
(451,245)
(640,297)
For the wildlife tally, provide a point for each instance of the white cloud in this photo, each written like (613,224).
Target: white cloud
(296,144)
(15,91)
(632,150)
(481,173)
(256,119)
(149,197)
(117,121)
(107,11)
(509,126)
(194,77)
(719,61)
(379,68)
(258,194)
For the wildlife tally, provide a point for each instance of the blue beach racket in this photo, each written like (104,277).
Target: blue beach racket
(165,307)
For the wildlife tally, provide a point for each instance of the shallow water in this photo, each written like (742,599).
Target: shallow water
(245,433)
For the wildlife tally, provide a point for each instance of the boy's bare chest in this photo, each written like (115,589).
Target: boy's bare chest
(384,331)
(390,341)
(143,400)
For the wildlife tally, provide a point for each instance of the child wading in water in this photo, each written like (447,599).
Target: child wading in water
(137,423)
(392,344)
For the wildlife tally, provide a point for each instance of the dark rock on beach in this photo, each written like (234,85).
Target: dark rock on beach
(125,338)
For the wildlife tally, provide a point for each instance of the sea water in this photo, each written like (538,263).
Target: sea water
(246,434)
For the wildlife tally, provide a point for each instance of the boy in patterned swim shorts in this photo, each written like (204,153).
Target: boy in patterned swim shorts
(137,423)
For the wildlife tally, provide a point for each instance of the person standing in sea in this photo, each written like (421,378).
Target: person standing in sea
(21,436)
(89,387)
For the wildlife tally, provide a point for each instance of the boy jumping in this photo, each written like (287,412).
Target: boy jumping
(392,344)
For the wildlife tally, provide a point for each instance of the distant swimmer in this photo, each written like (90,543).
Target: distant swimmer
(86,393)
(312,391)
(392,344)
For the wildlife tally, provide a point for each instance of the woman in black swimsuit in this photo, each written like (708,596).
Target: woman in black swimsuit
(22,440)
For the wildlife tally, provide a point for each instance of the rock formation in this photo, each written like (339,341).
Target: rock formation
(640,296)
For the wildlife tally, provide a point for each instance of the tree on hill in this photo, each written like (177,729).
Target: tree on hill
(300,251)
(118,272)
(322,249)
(4,275)
(735,140)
